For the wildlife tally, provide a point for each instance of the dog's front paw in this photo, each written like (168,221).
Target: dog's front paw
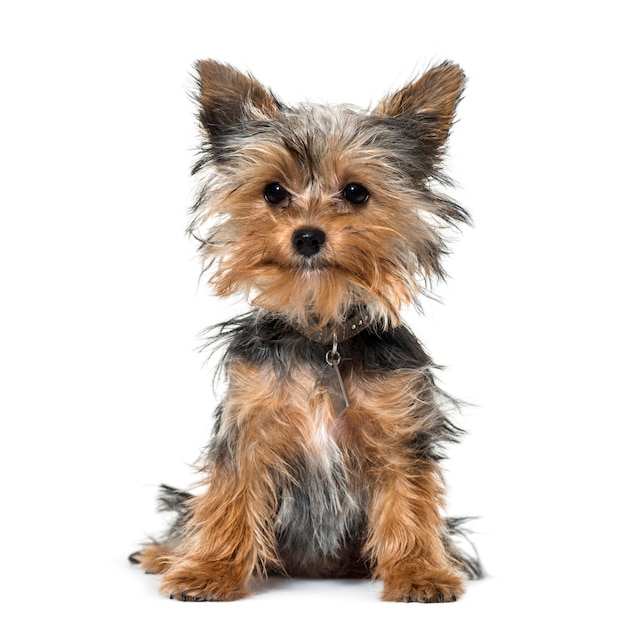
(201,582)
(443,586)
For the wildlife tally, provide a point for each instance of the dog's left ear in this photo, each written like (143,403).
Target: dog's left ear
(426,107)
(228,98)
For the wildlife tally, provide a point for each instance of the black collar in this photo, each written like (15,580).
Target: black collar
(355,323)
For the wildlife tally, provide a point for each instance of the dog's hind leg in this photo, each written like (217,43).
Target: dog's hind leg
(154,557)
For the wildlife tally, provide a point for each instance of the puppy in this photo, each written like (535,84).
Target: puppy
(326,449)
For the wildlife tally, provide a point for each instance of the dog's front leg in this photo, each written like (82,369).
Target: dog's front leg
(229,535)
(225,537)
(395,419)
(405,535)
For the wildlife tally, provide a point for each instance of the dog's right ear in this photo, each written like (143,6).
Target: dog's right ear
(228,98)
(425,109)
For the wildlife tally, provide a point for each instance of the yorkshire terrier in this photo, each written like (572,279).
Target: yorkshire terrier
(325,459)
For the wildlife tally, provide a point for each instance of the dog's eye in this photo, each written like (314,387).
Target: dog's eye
(355,193)
(274,193)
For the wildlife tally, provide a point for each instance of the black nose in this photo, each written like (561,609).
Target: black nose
(308,241)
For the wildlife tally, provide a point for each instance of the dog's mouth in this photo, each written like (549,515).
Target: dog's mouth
(314,264)
(306,265)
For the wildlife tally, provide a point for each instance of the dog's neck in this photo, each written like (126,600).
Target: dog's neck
(335,333)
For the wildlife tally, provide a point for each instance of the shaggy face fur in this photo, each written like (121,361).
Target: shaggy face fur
(378,246)
(325,456)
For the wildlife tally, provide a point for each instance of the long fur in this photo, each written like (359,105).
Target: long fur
(291,484)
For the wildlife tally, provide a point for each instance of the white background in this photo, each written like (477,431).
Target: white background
(104,394)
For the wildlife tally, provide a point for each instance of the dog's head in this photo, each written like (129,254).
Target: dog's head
(313,210)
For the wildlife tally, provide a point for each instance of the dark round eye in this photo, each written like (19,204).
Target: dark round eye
(274,193)
(355,193)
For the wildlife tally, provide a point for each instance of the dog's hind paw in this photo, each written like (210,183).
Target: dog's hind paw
(153,558)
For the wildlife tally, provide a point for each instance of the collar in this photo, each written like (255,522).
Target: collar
(356,322)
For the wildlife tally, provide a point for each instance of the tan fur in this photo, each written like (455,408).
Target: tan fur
(354,269)
(281,420)
(278,437)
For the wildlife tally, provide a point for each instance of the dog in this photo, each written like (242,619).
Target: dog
(325,458)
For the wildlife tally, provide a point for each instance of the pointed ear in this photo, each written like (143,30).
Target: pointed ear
(228,98)
(427,105)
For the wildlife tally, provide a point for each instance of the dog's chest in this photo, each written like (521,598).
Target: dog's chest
(283,383)
(319,507)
